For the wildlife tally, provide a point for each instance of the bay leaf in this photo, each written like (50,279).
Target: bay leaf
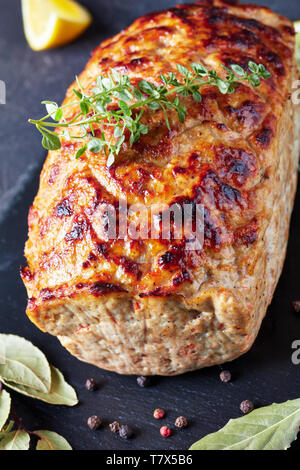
(61,393)
(50,440)
(23,363)
(7,429)
(5,402)
(272,427)
(15,440)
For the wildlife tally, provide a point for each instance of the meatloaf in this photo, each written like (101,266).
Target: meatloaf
(151,306)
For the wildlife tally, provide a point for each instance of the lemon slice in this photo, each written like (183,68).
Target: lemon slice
(297,29)
(52,23)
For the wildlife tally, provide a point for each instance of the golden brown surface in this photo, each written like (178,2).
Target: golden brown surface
(152,306)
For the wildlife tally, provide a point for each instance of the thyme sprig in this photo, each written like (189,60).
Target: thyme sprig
(116,102)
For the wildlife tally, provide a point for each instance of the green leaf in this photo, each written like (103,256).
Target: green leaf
(197,96)
(51,142)
(58,114)
(61,393)
(23,363)
(238,70)
(95,145)
(80,151)
(254,80)
(146,87)
(51,107)
(118,131)
(116,76)
(50,440)
(199,69)
(223,86)
(154,105)
(253,66)
(84,106)
(124,108)
(272,427)
(183,70)
(110,160)
(15,440)
(77,93)
(5,403)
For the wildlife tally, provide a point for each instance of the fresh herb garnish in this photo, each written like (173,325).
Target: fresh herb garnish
(115,102)
(272,427)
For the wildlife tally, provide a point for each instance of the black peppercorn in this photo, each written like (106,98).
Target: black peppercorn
(181,422)
(90,384)
(225,376)
(115,427)
(143,381)
(246,406)
(94,422)
(125,431)
(296,306)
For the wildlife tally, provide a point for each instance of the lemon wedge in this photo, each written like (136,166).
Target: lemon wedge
(297,29)
(52,23)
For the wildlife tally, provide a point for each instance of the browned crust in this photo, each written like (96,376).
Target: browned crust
(233,155)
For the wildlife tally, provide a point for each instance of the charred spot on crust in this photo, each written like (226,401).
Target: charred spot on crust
(263,137)
(64,208)
(92,256)
(80,226)
(216,15)
(273,59)
(138,61)
(183,277)
(179,170)
(47,294)
(247,234)
(25,273)
(86,264)
(171,258)
(102,249)
(235,165)
(54,172)
(248,112)
(212,233)
(221,194)
(100,288)
(158,292)
(129,266)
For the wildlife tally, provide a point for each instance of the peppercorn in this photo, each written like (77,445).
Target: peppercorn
(125,431)
(94,422)
(246,406)
(115,427)
(159,413)
(296,306)
(143,381)
(165,431)
(181,422)
(90,384)
(225,376)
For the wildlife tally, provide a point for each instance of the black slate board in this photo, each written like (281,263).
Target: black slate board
(266,374)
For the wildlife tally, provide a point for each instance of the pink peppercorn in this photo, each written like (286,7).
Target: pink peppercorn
(159,413)
(165,431)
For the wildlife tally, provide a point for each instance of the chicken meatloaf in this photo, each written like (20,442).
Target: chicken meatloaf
(151,306)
